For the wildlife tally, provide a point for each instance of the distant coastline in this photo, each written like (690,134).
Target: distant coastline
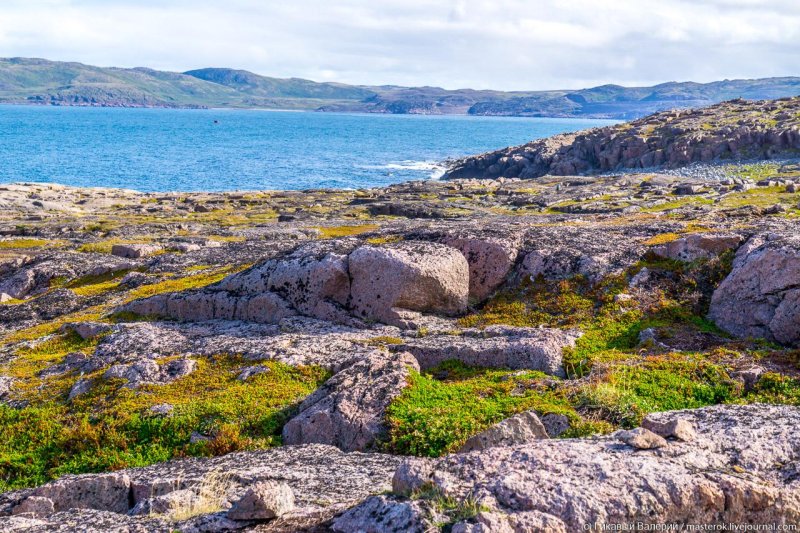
(41,82)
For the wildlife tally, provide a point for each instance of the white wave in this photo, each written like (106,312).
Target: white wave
(436,169)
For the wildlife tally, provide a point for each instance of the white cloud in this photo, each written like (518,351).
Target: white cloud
(502,44)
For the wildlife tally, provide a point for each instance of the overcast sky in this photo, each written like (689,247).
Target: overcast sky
(497,44)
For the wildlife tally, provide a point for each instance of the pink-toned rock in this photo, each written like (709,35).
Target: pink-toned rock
(698,246)
(412,275)
(263,501)
(761,296)
(348,411)
(490,260)
(105,492)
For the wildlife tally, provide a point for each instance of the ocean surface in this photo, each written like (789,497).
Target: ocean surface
(218,150)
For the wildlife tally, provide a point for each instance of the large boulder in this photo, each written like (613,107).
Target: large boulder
(326,281)
(411,275)
(490,260)
(761,296)
(348,411)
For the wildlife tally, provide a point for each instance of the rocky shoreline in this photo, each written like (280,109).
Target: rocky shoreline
(468,355)
(729,132)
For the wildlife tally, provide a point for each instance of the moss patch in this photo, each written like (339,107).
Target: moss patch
(111,426)
(334,232)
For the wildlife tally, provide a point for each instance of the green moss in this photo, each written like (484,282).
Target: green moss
(22,243)
(776,388)
(436,416)
(629,390)
(334,232)
(111,427)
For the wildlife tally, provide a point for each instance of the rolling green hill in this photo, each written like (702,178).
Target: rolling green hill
(39,81)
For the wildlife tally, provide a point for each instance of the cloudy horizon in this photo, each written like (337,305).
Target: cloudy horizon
(480,44)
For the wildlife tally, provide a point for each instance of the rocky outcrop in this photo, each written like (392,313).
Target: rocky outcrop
(741,468)
(761,296)
(348,411)
(738,129)
(330,281)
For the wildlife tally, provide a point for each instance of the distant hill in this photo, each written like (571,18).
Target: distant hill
(39,81)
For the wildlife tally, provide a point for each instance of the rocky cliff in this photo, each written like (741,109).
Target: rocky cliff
(726,132)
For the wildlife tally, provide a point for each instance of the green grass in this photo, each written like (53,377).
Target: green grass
(442,408)
(13,244)
(111,428)
(436,416)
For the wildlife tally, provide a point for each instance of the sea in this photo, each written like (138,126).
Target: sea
(166,150)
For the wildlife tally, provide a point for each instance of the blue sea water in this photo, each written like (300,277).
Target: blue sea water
(218,150)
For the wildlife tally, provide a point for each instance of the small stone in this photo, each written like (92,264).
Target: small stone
(134,251)
(133,279)
(5,298)
(641,439)
(86,330)
(263,501)
(677,428)
(5,385)
(81,387)
(411,475)
(251,371)
(749,377)
(162,409)
(555,424)
(36,506)
(519,429)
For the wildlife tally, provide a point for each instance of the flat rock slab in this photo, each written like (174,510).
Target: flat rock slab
(324,481)
(513,348)
(294,341)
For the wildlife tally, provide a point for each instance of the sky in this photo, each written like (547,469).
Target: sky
(481,44)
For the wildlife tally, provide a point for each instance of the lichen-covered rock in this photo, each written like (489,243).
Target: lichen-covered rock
(761,296)
(135,251)
(381,514)
(294,341)
(490,261)
(513,348)
(411,275)
(348,410)
(518,429)
(35,506)
(262,501)
(698,246)
(324,480)
(105,492)
(741,468)
(147,371)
